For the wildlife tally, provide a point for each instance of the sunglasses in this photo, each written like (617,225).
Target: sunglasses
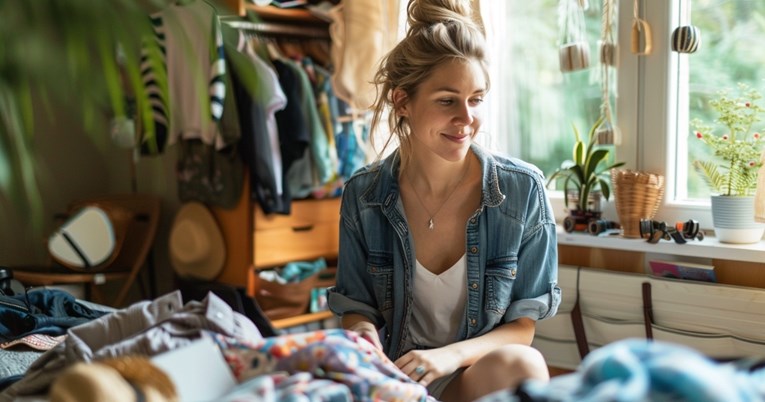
(653,231)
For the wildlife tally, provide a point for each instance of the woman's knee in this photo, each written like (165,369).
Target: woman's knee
(524,361)
(504,368)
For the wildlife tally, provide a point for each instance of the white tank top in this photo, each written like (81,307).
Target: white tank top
(439,304)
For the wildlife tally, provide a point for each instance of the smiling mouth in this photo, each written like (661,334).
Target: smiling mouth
(456,137)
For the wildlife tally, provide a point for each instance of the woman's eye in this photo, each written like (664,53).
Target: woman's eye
(449,102)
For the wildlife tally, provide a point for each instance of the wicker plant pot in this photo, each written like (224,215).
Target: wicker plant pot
(637,195)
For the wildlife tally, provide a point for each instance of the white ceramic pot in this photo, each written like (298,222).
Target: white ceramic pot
(733,219)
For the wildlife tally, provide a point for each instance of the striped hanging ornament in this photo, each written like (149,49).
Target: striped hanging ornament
(686,38)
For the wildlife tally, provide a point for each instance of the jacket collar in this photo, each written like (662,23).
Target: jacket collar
(384,187)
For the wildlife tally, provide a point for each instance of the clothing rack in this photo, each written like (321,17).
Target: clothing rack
(273,28)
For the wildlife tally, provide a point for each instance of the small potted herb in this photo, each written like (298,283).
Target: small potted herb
(732,173)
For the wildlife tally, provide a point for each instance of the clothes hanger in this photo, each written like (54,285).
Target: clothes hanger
(273,50)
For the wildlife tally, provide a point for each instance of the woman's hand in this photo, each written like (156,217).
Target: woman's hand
(367,331)
(424,366)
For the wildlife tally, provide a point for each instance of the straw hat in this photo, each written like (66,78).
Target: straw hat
(123,379)
(197,249)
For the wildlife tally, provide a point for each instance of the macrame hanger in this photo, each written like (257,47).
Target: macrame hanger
(574,51)
(608,45)
(641,32)
(607,133)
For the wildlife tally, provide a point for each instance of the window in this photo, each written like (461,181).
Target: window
(732,32)
(532,104)
(658,94)
(675,88)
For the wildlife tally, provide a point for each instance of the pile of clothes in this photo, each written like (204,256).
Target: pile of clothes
(115,351)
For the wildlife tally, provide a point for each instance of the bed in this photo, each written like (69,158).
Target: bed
(335,365)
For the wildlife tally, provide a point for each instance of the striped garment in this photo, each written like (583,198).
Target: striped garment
(154,78)
(195,66)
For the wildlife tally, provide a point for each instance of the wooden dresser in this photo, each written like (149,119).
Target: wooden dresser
(258,241)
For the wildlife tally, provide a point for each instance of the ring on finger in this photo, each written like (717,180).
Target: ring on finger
(420,370)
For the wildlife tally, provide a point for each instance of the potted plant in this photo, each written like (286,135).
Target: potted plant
(584,177)
(732,175)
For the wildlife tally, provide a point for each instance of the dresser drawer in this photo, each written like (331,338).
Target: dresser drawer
(310,232)
(304,213)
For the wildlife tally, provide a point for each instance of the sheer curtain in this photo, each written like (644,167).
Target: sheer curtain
(499,124)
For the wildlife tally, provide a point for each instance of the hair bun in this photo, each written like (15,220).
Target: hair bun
(424,13)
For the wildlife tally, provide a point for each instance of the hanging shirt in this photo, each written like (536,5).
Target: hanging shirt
(195,66)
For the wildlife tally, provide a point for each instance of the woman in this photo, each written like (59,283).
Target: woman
(447,253)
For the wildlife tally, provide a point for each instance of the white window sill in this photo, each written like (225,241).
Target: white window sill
(707,248)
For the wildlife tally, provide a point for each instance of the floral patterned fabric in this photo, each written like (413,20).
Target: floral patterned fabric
(326,365)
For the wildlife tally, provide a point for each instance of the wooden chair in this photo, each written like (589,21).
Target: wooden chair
(125,267)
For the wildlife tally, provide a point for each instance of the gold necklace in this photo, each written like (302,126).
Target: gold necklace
(431,224)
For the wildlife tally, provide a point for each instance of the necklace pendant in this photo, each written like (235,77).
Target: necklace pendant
(430,224)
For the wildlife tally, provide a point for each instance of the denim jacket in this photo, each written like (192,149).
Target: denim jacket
(511,246)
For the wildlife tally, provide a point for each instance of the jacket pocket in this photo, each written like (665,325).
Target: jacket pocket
(499,277)
(380,269)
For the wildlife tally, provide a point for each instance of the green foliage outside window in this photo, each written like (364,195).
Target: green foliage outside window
(731,53)
(733,169)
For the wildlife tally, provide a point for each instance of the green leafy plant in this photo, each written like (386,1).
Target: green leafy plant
(62,55)
(79,58)
(737,150)
(588,172)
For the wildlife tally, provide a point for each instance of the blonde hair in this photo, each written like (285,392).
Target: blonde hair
(439,31)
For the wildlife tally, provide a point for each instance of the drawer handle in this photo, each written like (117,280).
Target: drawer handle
(304,228)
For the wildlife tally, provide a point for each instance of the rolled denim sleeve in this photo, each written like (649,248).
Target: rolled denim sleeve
(353,292)
(537,294)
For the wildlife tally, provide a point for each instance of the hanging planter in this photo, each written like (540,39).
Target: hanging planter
(609,50)
(607,133)
(574,56)
(609,53)
(686,38)
(642,38)
(574,51)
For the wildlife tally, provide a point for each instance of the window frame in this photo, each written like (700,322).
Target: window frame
(662,115)
(648,114)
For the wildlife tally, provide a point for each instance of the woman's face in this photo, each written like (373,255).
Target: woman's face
(445,113)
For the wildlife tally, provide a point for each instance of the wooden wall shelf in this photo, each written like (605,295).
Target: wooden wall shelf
(273,13)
